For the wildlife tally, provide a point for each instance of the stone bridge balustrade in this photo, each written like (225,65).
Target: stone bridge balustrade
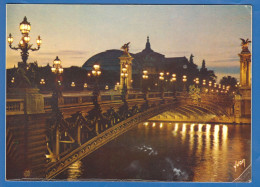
(14,106)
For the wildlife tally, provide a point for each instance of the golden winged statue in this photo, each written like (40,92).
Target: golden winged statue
(244,42)
(125,47)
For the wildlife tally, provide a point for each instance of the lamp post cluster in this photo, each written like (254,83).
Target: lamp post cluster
(145,86)
(57,70)
(161,78)
(184,80)
(197,81)
(173,80)
(96,72)
(42,82)
(24,45)
(72,84)
(124,75)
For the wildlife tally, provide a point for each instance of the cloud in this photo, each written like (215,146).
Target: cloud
(225,69)
(225,60)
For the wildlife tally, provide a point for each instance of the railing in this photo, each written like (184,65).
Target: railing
(14,106)
(71,100)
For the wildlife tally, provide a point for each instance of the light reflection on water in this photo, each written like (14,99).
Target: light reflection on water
(170,152)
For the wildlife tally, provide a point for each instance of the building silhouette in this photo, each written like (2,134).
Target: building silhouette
(147,59)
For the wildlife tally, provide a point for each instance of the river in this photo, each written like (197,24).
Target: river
(157,151)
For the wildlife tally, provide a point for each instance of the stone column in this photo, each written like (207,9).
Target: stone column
(126,59)
(243,100)
(245,69)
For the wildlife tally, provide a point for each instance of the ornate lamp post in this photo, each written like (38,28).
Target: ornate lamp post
(42,83)
(227,88)
(204,82)
(145,86)
(184,80)
(124,75)
(96,72)
(210,83)
(173,80)
(197,81)
(24,45)
(161,78)
(57,70)
(73,85)
(12,81)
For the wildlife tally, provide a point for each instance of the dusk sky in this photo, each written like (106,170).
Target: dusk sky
(77,32)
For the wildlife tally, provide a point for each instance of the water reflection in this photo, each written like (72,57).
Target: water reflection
(176,127)
(161,125)
(183,132)
(170,151)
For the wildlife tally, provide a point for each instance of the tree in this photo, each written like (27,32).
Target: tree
(205,73)
(203,66)
(228,81)
(194,93)
(191,59)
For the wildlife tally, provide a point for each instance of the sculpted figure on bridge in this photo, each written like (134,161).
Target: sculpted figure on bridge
(245,44)
(125,47)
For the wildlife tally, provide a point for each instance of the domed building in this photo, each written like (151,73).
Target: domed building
(147,59)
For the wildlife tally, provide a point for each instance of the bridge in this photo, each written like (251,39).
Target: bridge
(49,143)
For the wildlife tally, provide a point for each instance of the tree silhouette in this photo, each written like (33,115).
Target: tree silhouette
(228,81)
(205,73)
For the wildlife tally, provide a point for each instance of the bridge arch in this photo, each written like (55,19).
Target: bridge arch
(187,110)
(183,108)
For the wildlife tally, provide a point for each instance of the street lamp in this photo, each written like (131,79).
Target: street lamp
(210,83)
(85,85)
(24,45)
(124,75)
(57,70)
(145,86)
(72,84)
(204,82)
(96,72)
(161,78)
(42,81)
(197,81)
(173,80)
(184,79)
(12,81)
